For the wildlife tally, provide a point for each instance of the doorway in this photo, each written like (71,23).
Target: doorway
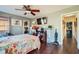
(70,33)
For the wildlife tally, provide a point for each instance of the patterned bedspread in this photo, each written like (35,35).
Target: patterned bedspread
(19,44)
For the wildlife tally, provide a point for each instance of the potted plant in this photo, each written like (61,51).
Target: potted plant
(50,26)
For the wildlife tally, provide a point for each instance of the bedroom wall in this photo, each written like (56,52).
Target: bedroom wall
(78,30)
(15,29)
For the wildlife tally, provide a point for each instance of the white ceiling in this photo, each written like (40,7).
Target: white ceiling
(44,9)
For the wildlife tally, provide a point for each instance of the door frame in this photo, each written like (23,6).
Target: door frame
(74,26)
(67,14)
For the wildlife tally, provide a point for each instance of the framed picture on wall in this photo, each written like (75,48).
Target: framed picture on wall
(25,23)
(16,22)
(44,20)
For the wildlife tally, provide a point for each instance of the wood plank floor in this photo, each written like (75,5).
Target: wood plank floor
(47,49)
(50,49)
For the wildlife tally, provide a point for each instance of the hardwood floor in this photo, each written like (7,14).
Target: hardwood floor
(70,45)
(50,49)
(47,49)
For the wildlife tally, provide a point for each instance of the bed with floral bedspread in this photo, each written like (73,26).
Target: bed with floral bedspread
(19,44)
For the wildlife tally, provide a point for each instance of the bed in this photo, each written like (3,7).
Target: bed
(19,44)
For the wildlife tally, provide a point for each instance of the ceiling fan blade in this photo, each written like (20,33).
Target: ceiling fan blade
(33,13)
(20,9)
(24,6)
(27,7)
(35,10)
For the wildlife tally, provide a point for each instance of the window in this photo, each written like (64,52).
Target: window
(4,24)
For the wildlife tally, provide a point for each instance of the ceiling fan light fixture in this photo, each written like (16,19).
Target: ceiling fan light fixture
(28,12)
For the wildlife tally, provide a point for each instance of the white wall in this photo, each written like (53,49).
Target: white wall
(55,21)
(19,29)
(78,31)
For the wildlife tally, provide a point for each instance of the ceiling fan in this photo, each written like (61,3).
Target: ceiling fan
(28,8)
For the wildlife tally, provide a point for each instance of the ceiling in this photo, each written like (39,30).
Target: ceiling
(44,9)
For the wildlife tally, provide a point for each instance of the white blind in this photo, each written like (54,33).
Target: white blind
(4,25)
